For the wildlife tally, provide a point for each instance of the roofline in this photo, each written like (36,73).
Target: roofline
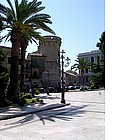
(91,52)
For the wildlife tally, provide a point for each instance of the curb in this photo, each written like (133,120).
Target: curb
(53,106)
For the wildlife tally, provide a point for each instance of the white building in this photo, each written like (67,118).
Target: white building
(92,57)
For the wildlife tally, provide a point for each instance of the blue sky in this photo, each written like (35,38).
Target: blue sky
(78,22)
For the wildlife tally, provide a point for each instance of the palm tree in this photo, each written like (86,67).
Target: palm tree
(81,65)
(37,21)
(23,20)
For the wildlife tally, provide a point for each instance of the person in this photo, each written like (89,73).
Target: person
(30,90)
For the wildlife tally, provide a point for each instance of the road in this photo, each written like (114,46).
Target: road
(83,119)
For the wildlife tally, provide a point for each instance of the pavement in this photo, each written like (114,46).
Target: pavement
(13,112)
(82,118)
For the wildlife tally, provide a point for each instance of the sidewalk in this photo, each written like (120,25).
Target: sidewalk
(49,102)
(83,119)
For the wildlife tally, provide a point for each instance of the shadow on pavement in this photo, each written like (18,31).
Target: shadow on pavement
(27,107)
(65,114)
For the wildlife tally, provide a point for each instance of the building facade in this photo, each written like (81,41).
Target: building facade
(44,64)
(7,60)
(91,57)
(71,78)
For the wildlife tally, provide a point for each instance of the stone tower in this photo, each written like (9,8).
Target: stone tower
(51,51)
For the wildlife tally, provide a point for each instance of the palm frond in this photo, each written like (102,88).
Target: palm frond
(3,9)
(39,18)
(33,7)
(12,9)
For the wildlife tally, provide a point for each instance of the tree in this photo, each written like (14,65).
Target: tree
(101,43)
(95,79)
(1,27)
(81,65)
(30,34)
(101,46)
(23,20)
(4,80)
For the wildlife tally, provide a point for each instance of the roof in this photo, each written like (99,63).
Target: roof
(71,74)
(90,53)
(36,53)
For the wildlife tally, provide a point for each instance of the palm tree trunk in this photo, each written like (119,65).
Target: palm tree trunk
(15,39)
(24,44)
(83,82)
(82,73)
(14,74)
(22,70)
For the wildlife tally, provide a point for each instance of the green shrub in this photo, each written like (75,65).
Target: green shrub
(25,95)
(38,100)
(95,81)
(81,88)
(84,88)
(4,81)
(28,95)
(36,91)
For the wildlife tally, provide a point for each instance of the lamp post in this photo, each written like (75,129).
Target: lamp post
(63,60)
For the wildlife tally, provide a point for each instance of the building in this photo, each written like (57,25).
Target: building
(71,78)
(91,57)
(44,64)
(7,51)
(7,61)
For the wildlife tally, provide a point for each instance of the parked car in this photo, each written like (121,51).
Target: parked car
(71,88)
(77,87)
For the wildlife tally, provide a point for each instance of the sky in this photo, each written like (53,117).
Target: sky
(79,23)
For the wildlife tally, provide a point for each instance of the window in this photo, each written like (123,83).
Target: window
(35,63)
(98,57)
(92,59)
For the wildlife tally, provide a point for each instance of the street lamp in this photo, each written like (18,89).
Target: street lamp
(67,62)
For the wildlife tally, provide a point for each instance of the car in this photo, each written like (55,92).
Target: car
(71,88)
(76,87)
